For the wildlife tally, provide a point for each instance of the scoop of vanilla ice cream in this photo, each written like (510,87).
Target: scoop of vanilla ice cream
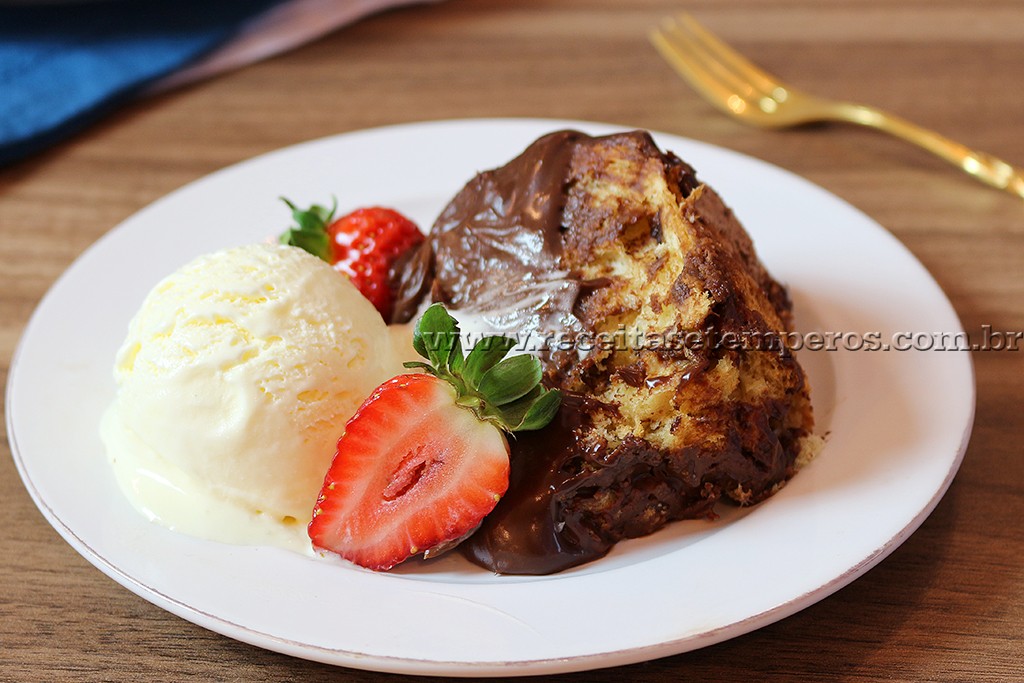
(234,383)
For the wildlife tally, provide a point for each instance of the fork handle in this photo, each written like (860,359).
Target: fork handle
(985,167)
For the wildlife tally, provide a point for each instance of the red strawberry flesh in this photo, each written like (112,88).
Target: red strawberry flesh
(413,470)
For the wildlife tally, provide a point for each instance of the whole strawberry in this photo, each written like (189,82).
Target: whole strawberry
(424,459)
(362,244)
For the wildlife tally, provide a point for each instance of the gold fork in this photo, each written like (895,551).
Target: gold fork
(739,88)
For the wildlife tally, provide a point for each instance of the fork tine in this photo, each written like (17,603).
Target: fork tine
(695,73)
(693,45)
(759,78)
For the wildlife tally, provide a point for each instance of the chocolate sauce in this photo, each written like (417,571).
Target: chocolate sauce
(499,239)
(634,375)
(527,532)
(504,226)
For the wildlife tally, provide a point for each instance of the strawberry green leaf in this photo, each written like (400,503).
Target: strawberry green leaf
(514,413)
(510,379)
(541,411)
(532,411)
(456,360)
(318,245)
(436,338)
(485,355)
(506,392)
(310,230)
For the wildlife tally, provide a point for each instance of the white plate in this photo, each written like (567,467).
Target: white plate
(898,424)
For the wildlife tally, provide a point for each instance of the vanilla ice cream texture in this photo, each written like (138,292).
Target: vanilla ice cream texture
(235,381)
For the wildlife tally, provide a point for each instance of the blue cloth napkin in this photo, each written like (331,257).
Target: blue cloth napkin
(64,66)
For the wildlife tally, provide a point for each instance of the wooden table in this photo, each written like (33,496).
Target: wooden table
(947,605)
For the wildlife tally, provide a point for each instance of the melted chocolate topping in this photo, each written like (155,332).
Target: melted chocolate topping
(527,532)
(499,240)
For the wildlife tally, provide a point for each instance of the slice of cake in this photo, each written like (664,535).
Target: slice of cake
(644,299)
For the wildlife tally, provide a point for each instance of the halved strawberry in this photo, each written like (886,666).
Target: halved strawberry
(424,459)
(414,470)
(363,245)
